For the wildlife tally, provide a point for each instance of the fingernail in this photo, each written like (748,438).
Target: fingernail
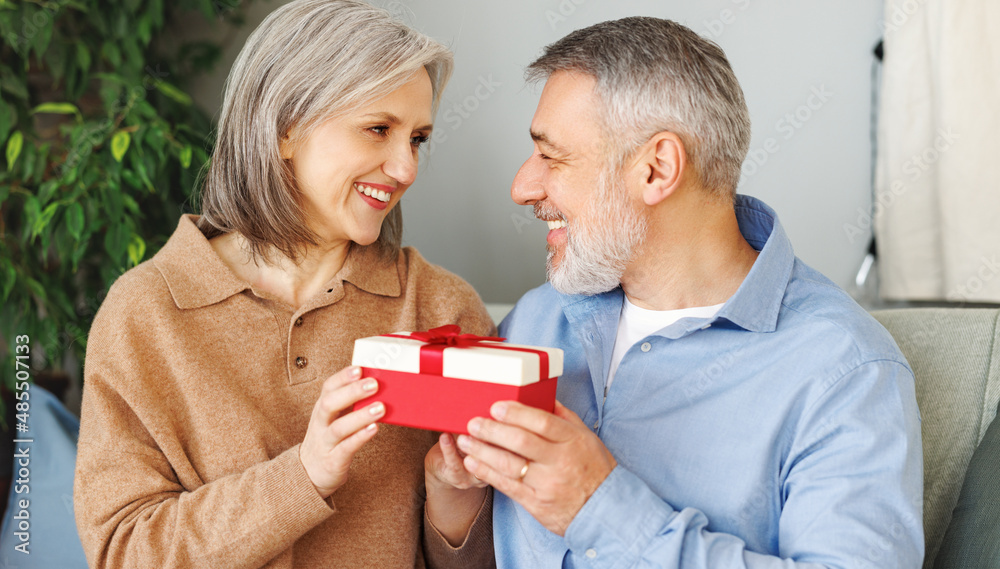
(377,409)
(372,427)
(355,372)
(369,385)
(474,425)
(463,442)
(498,410)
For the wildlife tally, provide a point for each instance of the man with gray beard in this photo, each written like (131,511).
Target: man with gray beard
(722,404)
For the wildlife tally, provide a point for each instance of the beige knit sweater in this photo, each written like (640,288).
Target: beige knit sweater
(198,392)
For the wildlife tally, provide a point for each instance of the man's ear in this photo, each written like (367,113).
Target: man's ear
(662,162)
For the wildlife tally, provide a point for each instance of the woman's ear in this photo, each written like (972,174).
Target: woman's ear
(663,161)
(286,147)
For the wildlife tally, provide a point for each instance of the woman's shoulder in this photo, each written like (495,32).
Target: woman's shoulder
(135,295)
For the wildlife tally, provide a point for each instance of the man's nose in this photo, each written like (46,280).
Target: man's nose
(527,187)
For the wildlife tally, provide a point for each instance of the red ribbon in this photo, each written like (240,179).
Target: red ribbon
(436,340)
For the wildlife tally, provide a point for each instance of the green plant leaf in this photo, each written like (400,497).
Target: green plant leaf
(42,221)
(14,144)
(74,220)
(35,287)
(8,117)
(43,33)
(112,54)
(119,144)
(12,83)
(116,241)
(57,108)
(173,92)
(185,156)
(47,189)
(83,56)
(136,250)
(9,278)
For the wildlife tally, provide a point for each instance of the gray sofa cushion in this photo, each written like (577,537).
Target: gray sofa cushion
(973,537)
(953,354)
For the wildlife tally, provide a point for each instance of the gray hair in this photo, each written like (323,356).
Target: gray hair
(656,75)
(309,61)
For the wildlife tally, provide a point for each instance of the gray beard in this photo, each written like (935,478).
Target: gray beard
(600,243)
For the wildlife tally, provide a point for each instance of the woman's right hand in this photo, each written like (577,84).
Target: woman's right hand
(335,432)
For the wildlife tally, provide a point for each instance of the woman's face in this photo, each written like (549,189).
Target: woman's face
(354,168)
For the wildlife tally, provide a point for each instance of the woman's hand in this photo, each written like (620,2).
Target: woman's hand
(454,495)
(445,468)
(335,432)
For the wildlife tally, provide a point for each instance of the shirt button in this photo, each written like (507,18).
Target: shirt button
(298,321)
(301,362)
(596,424)
(646,346)
(591,553)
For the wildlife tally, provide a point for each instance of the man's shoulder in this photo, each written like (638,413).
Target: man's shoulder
(818,312)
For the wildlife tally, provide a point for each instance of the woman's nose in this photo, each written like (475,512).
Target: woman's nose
(402,164)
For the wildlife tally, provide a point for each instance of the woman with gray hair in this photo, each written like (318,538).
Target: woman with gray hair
(216,428)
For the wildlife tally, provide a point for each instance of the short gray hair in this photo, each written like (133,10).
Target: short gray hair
(309,61)
(656,75)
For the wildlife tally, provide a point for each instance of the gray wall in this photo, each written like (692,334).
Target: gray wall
(805,67)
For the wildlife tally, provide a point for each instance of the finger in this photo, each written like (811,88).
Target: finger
(452,456)
(497,459)
(333,402)
(542,423)
(564,413)
(348,447)
(514,488)
(348,425)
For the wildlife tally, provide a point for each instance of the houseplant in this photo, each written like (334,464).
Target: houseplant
(101,149)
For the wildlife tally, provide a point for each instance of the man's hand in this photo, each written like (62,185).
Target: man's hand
(548,463)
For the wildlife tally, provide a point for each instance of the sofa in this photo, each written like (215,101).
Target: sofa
(955,357)
(954,354)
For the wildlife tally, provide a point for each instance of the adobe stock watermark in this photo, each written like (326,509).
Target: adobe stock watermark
(456,115)
(901,14)
(727,17)
(521,219)
(31,26)
(915,167)
(562,12)
(787,126)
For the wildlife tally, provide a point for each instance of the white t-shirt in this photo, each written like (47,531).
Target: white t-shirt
(636,323)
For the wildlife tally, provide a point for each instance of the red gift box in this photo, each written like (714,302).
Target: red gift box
(440,379)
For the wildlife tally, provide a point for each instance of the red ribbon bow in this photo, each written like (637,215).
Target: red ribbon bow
(450,336)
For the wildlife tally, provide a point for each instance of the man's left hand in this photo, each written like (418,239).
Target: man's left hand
(548,463)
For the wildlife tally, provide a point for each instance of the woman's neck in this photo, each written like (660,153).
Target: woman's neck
(290,282)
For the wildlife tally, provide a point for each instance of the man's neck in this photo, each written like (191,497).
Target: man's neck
(694,254)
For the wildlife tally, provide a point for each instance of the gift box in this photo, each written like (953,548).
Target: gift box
(440,379)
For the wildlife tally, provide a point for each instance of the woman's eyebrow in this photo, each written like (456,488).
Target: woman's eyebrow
(394,120)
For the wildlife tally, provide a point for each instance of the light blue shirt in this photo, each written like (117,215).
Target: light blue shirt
(782,432)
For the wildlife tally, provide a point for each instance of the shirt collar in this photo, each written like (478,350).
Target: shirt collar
(197,277)
(757,301)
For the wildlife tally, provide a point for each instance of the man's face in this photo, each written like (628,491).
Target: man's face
(594,225)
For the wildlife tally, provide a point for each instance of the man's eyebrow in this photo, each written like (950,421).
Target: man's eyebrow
(540,138)
(393,120)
